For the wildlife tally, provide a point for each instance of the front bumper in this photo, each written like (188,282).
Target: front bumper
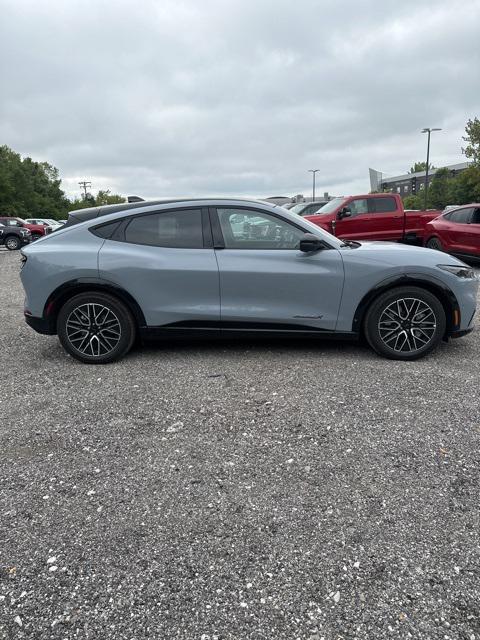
(461,333)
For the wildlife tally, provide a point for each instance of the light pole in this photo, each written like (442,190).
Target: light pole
(429,131)
(313,171)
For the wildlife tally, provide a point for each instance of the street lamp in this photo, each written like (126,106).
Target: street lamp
(313,171)
(429,131)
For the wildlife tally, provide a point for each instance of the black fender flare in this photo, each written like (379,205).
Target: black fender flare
(430,283)
(68,289)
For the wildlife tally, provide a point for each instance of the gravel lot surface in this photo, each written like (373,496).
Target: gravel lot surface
(236,490)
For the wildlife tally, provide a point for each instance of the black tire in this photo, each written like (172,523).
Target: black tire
(435,243)
(405,323)
(13,243)
(96,328)
(35,236)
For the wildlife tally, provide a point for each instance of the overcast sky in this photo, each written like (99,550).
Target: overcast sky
(196,97)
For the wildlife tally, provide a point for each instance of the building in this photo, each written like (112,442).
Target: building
(409,183)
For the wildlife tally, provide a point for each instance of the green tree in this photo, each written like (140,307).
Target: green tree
(413,202)
(105,197)
(472,150)
(465,188)
(439,190)
(29,188)
(420,166)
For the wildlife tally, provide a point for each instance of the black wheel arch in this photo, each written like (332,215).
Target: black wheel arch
(69,289)
(429,283)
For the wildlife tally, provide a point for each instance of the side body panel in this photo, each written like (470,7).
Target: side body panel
(283,287)
(55,260)
(170,285)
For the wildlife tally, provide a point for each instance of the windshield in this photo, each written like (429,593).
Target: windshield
(50,221)
(331,206)
(297,208)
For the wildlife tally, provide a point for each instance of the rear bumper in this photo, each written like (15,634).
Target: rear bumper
(40,325)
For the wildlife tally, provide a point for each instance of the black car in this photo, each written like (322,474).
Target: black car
(14,237)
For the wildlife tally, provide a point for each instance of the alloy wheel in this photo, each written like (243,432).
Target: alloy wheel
(93,329)
(12,244)
(407,324)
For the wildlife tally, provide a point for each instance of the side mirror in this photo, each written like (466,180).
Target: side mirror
(346,212)
(310,242)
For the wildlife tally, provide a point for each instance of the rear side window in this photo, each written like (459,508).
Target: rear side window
(106,230)
(181,229)
(383,205)
(460,215)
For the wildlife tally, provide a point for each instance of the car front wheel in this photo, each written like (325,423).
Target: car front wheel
(13,243)
(405,323)
(95,328)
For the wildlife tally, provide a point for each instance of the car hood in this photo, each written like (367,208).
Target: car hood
(393,253)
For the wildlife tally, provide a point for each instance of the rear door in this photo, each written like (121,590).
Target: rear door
(266,282)
(387,219)
(166,261)
(459,230)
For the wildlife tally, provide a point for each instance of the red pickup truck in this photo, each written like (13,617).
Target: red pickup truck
(376,216)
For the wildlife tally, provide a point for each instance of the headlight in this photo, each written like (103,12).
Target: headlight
(460,272)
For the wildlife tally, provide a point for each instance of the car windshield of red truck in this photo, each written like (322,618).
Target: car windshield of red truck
(330,206)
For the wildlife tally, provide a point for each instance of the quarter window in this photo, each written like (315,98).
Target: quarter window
(248,229)
(180,229)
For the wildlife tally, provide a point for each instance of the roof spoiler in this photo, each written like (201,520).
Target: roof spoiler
(135,199)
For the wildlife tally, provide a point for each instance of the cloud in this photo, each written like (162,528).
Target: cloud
(164,98)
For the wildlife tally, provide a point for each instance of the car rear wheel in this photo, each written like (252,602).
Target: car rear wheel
(405,323)
(96,328)
(435,243)
(13,243)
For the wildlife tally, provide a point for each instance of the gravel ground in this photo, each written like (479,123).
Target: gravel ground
(236,490)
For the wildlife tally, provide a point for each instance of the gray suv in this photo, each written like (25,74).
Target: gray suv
(224,266)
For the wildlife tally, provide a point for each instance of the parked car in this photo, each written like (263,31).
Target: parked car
(14,238)
(47,222)
(373,217)
(457,231)
(289,205)
(308,208)
(175,267)
(37,230)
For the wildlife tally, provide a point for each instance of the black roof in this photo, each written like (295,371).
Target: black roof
(82,215)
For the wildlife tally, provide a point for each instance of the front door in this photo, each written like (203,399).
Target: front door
(359,224)
(266,282)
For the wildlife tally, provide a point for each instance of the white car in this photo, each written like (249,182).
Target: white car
(47,222)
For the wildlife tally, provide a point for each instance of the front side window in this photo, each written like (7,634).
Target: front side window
(181,229)
(249,229)
(476,217)
(462,216)
(383,205)
(359,206)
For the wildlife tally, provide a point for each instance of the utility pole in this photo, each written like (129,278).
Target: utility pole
(313,172)
(429,131)
(84,184)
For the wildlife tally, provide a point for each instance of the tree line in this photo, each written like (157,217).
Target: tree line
(30,189)
(446,189)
